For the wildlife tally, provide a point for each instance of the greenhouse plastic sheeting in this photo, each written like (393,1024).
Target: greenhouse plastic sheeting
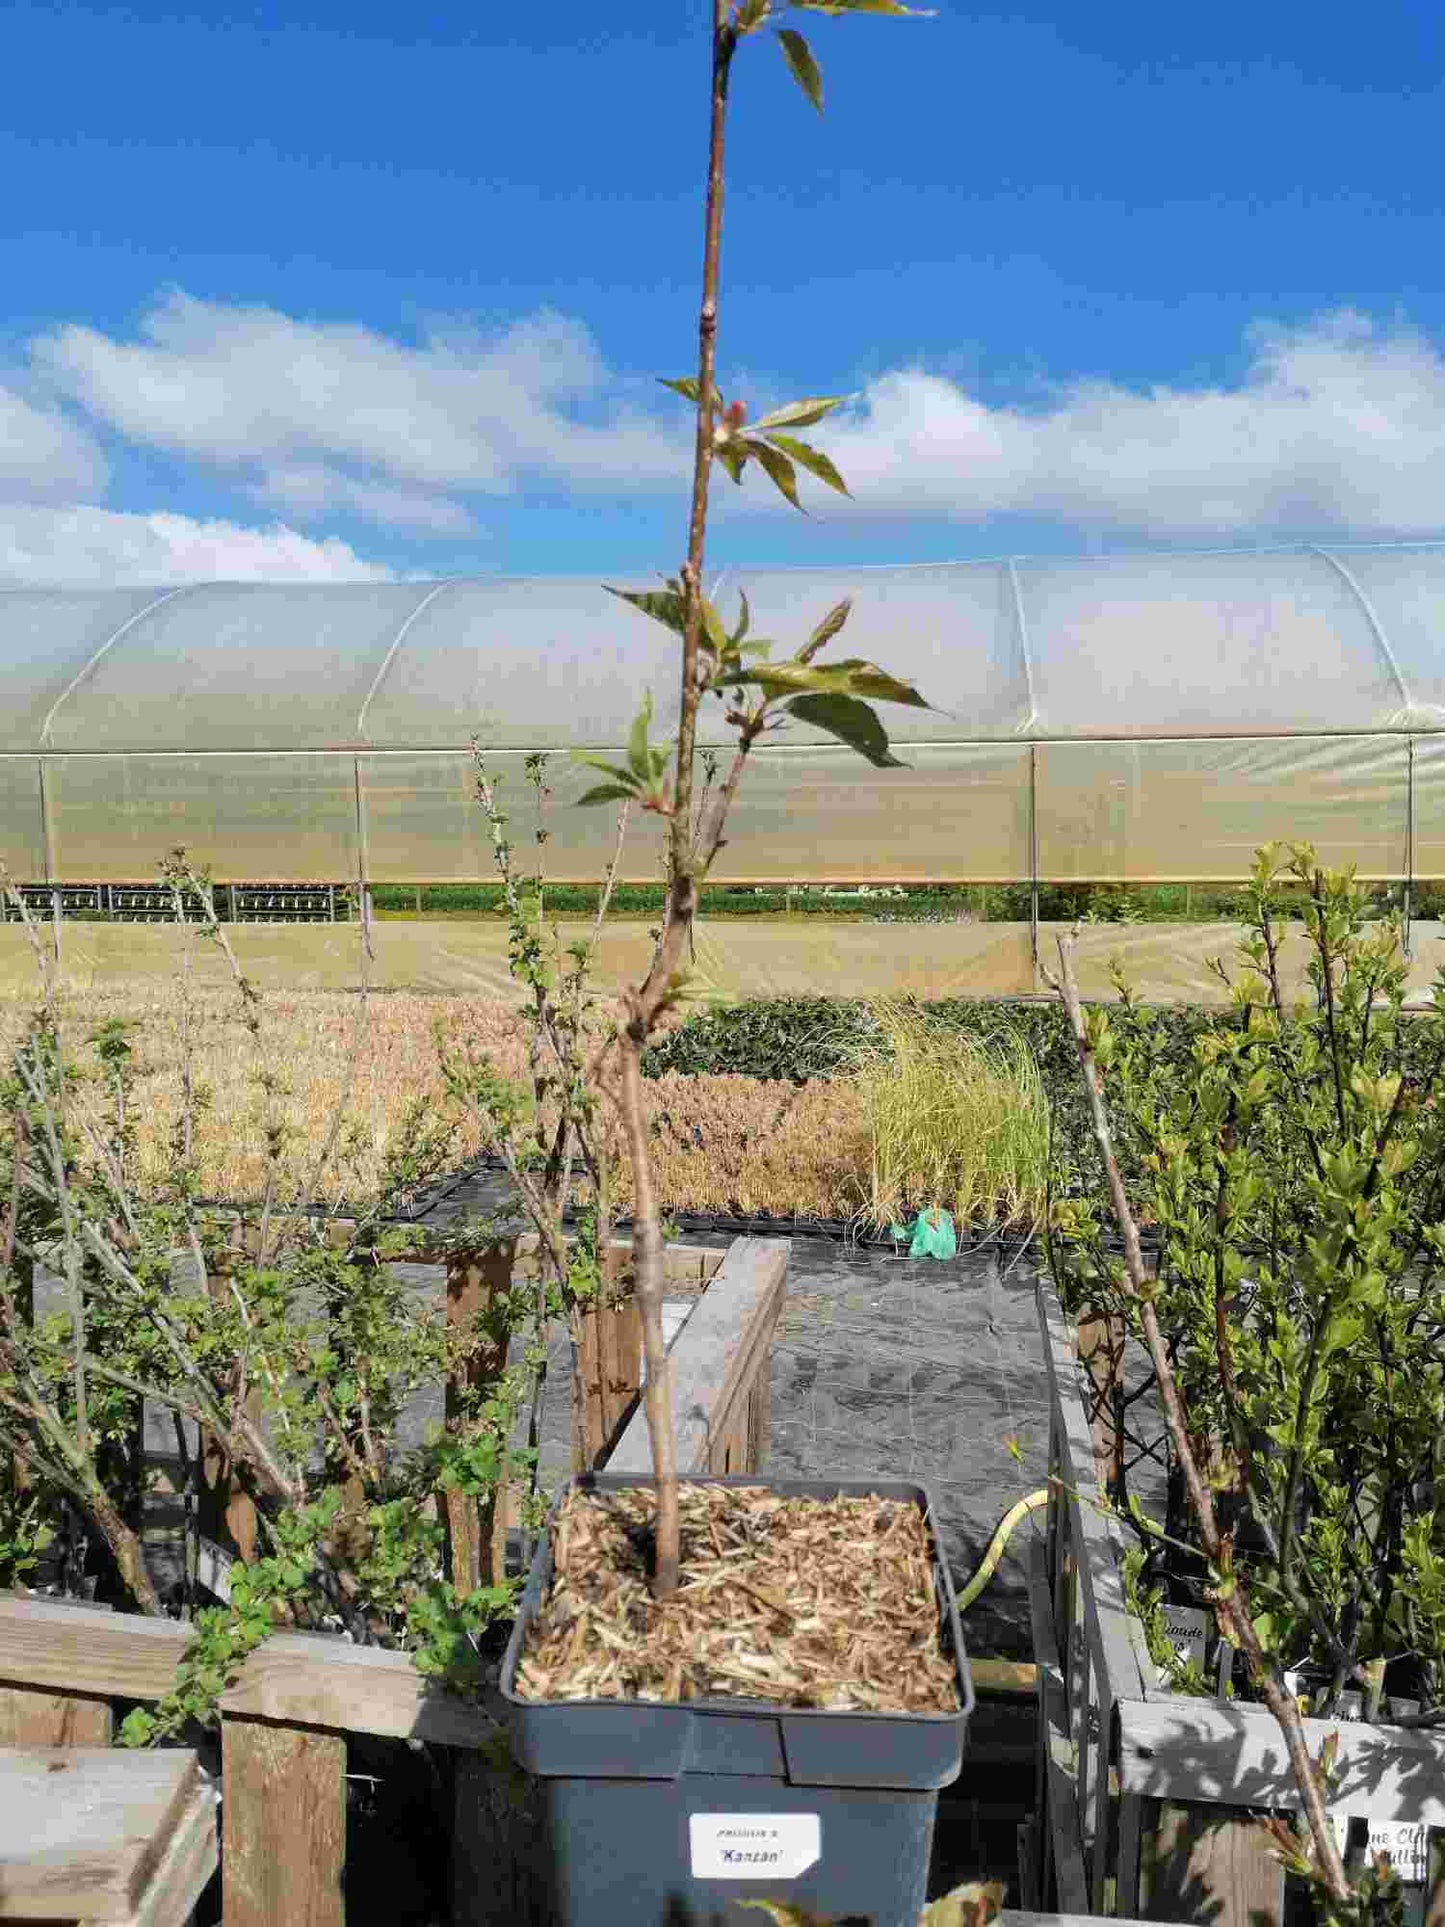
(1125,717)
(1164,963)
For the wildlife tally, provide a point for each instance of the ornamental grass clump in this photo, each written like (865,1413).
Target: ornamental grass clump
(954,1122)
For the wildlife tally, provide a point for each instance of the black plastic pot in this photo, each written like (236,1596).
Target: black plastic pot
(667,1815)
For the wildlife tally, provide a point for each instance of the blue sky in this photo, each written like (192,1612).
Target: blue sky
(326,291)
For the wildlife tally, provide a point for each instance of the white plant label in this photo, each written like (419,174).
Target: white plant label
(213,1569)
(1187,1628)
(1407,1843)
(754,1846)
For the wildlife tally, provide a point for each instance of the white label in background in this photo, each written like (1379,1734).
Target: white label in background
(754,1846)
(1187,1629)
(1407,1842)
(213,1569)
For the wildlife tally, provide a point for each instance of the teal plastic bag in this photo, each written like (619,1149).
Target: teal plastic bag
(932,1235)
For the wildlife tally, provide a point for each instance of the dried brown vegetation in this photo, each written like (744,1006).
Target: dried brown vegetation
(730,1144)
(825,1603)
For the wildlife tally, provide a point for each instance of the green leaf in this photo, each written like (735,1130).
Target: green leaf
(867,679)
(860,6)
(713,627)
(751,16)
(687,387)
(811,459)
(744,620)
(801,64)
(852,677)
(611,771)
(826,629)
(852,722)
(637,755)
(663,605)
(800,414)
(784,476)
(733,458)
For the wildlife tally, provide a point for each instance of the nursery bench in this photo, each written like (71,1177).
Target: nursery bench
(99,1835)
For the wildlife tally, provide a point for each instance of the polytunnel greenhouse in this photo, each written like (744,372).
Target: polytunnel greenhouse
(1128,718)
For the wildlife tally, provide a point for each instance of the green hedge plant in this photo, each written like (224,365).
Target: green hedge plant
(1296,1182)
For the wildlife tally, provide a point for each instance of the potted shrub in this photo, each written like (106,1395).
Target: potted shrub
(1293,1317)
(680,1676)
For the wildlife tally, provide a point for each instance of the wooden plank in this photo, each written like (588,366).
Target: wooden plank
(1214,1752)
(185,1868)
(1013,1917)
(76,1649)
(723,1346)
(32,1718)
(1098,1737)
(313,1679)
(308,1678)
(1013,1678)
(1199,1863)
(1105,1613)
(1064,1835)
(592,1372)
(760,1420)
(1101,1356)
(1126,1868)
(83,1829)
(283,1825)
(476,1281)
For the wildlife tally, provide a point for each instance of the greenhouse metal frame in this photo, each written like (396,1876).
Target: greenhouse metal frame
(1145,718)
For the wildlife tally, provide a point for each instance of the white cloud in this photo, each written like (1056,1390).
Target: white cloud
(44,456)
(1338,425)
(326,417)
(85,547)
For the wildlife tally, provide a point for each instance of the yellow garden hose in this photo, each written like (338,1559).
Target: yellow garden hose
(988,1565)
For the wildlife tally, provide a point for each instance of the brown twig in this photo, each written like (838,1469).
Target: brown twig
(1231,1597)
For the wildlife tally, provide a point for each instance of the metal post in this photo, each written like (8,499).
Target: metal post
(1409,840)
(1034,856)
(50,865)
(363,889)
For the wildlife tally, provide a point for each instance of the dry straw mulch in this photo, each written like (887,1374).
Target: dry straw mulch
(796,1601)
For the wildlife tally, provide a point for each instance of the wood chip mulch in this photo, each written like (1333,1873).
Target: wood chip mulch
(799,1602)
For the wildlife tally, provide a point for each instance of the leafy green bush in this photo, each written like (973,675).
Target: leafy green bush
(1295,1173)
